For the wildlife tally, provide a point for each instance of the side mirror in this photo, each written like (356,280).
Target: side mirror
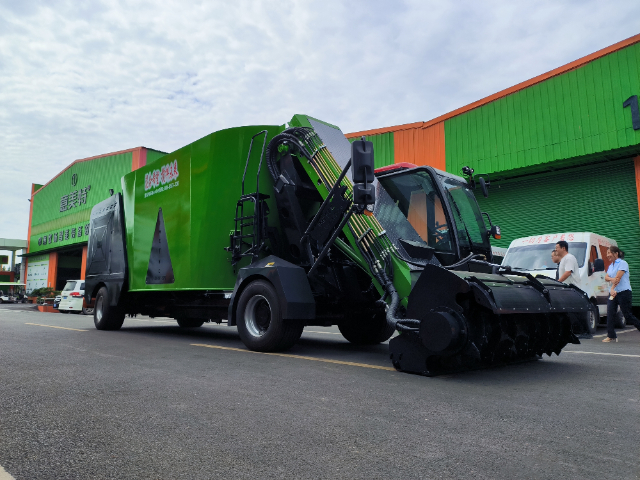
(495,232)
(598,265)
(362,165)
(364,194)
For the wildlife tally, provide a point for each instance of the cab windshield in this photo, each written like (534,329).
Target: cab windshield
(418,200)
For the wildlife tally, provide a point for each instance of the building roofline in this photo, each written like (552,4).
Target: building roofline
(87,160)
(508,91)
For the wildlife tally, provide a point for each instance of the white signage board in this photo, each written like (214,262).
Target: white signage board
(37,272)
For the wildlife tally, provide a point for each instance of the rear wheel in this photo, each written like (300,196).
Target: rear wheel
(189,322)
(105,316)
(621,322)
(592,320)
(367,329)
(259,318)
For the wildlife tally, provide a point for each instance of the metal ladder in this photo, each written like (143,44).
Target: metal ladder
(250,226)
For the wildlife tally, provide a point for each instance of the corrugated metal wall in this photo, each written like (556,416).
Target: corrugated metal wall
(421,146)
(383,148)
(574,114)
(600,198)
(101,174)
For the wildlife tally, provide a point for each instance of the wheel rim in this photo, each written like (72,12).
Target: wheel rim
(98,309)
(592,320)
(257,315)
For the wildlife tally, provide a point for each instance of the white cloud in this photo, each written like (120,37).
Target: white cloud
(81,79)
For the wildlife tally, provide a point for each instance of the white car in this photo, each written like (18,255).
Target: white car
(6,298)
(533,255)
(72,297)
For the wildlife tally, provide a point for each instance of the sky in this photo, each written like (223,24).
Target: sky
(79,79)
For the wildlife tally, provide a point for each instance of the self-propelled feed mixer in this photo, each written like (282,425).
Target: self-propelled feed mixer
(274,228)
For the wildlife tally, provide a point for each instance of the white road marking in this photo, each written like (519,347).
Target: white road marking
(602,353)
(627,330)
(326,333)
(61,328)
(298,357)
(4,475)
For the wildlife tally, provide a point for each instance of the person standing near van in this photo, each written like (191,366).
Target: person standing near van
(556,261)
(568,269)
(620,293)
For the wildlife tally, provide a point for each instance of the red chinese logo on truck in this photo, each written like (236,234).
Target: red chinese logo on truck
(165,178)
(168,173)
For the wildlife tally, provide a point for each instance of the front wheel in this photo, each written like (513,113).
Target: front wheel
(105,316)
(259,318)
(592,320)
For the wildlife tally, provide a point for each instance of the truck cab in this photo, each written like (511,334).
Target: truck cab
(423,205)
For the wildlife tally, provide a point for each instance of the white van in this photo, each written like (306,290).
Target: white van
(533,255)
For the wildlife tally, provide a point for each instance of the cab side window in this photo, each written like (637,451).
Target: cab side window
(593,256)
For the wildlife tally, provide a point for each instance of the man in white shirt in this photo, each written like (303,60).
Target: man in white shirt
(568,269)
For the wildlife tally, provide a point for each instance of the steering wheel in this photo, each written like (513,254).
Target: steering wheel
(441,233)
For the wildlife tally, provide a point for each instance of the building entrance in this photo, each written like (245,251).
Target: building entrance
(69,267)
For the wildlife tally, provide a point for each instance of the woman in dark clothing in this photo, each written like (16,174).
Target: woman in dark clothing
(620,294)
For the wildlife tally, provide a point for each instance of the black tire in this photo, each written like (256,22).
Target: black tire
(259,318)
(593,319)
(189,322)
(87,311)
(105,316)
(366,329)
(621,322)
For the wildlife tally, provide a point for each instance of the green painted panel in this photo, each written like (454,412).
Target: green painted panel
(61,209)
(197,188)
(571,200)
(153,155)
(576,114)
(383,148)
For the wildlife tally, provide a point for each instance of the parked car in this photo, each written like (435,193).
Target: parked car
(56,301)
(533,255)
(6,298)
(73,298)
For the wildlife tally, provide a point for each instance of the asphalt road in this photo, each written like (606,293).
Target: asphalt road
(153,401)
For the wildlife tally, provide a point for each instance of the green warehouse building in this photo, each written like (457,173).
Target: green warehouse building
(60,210)
(561,150)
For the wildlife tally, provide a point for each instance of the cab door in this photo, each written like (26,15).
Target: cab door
(595,286)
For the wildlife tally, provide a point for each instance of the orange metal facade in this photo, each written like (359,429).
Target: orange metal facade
(421,146)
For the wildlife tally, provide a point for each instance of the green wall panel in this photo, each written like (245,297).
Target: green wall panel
(382,148)
(62,226)
(153,155)
(576,114)
(571,200)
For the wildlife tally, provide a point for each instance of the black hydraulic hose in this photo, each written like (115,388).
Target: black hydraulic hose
(272,151)
(466,259)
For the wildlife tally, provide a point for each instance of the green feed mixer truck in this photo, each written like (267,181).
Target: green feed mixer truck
(274,228)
